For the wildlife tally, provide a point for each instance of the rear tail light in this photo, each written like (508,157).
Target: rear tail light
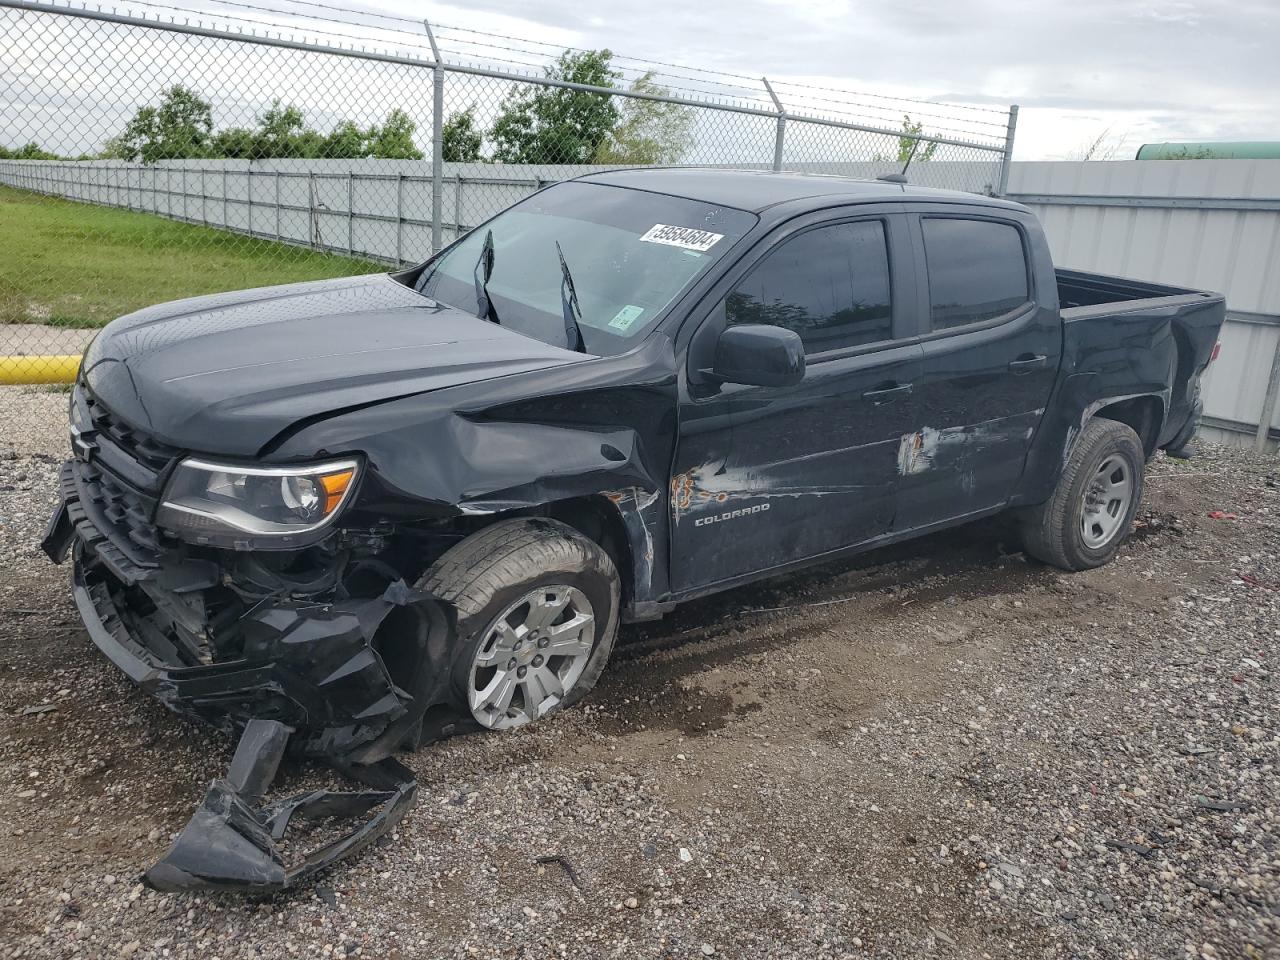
(1217,349)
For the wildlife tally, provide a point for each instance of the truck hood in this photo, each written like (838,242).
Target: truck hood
(226,373)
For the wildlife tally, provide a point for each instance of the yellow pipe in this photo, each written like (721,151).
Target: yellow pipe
(55,369)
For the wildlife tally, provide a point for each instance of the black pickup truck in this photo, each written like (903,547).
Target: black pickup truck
(361,514)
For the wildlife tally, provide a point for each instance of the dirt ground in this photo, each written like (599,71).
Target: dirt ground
(941,749)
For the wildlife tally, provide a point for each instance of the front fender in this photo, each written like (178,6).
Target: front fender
(602,428)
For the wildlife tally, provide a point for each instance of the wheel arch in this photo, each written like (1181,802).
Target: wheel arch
(1144,414)
(626,524)
(598,519)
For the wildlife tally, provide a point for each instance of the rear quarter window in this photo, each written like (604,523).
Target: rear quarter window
(977,270)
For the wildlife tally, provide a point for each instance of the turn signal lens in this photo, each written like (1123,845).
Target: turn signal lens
(335,488)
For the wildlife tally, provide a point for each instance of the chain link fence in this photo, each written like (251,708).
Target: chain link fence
(153,156)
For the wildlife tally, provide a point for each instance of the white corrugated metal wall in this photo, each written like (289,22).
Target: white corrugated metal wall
(1210,224)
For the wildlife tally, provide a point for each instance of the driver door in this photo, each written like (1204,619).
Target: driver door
(769,476)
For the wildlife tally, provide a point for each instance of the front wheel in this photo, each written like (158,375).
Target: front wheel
(537,607)
(1092,508)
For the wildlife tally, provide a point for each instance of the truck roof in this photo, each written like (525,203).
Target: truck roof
(757,190)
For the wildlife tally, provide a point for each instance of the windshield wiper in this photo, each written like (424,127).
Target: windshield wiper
(569,306)
(483,271)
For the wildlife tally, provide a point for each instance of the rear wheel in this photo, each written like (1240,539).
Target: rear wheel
(1092,508)
(537,607)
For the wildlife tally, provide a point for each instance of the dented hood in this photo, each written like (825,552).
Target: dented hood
(227,373)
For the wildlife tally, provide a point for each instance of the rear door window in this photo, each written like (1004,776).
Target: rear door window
(829,284)
(977,270)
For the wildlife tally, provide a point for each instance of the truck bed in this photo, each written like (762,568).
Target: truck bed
(1082,295)
(1101,314)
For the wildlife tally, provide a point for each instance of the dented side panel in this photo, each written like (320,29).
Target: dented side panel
(1157,350)
(766,476)
(982,392)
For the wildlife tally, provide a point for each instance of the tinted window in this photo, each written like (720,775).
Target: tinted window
(830,285)
(977,270)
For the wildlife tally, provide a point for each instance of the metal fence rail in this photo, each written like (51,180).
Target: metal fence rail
(197,154)
(376,210)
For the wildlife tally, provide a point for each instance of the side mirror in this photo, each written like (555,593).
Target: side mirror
(760,355)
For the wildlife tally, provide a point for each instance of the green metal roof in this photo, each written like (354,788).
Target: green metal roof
(1240,150)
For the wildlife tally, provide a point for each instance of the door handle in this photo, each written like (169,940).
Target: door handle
(1027,362)
(887,394)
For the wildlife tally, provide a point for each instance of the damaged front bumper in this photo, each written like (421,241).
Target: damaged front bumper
(230,842)
(306,673)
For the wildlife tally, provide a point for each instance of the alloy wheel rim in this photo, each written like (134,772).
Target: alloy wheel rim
(531,656)
(1107,496)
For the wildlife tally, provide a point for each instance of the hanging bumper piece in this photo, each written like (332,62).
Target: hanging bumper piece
(231,841)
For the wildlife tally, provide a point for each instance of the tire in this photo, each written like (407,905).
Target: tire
(1056,530)
(503,565)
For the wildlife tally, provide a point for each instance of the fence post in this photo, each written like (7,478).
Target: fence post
(1007,157)
(399,217)
(351,212)
(313,222)
(1268,404)
(457,207)
(437,147)
(781,136)
(276,178)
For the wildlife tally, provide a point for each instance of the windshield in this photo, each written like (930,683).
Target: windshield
(631,253)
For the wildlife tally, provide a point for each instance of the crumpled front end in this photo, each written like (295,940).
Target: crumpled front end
(325,647)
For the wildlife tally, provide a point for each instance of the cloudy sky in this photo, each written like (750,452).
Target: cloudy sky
(1144,71)
(1126,72)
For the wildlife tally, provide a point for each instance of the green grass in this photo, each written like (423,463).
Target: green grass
(74,264)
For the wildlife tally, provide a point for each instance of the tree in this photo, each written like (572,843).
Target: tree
(180,127)
(234,143)
(282,132)
(394,139)
(346,142)
(558,124)
(460,140)
(648,131)
(28,151)
(1101,147)
(910,143)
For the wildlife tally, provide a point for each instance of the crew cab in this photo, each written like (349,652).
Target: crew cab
(363,513)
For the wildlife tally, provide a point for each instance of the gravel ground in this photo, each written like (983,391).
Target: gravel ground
(942,749)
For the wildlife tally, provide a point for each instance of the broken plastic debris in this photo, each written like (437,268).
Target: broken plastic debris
(229,844)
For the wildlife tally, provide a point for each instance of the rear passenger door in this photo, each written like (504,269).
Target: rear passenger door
(991,355)
(765,476)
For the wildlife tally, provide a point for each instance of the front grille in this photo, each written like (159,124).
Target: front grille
(145,450)
(127,512)
(119,475)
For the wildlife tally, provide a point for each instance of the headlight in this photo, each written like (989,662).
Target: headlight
(222,498)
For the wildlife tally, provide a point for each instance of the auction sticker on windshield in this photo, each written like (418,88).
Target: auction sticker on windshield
(625,317)
(687,238)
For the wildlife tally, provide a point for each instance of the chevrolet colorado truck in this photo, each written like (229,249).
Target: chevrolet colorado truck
(353,515)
